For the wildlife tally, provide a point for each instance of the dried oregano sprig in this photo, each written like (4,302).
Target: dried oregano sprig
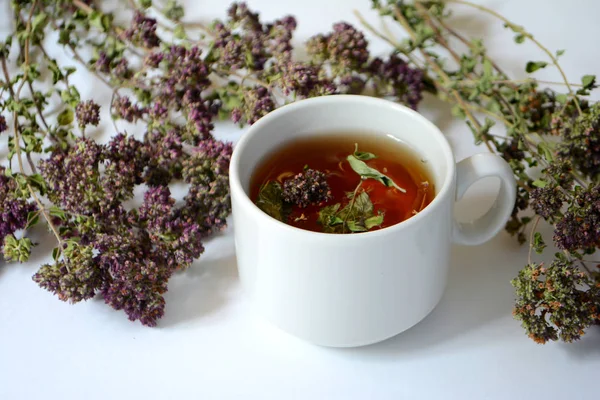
(174,79)
(557,132)
(176,83)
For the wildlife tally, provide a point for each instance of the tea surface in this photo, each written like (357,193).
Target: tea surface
(329,155)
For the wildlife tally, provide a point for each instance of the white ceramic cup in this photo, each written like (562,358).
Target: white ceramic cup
(348,290)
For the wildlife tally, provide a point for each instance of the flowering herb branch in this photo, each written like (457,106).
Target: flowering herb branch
(175,79)
(557,133)
(175,87)
(358,215)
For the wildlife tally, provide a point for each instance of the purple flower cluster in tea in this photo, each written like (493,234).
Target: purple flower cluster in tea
(307,188)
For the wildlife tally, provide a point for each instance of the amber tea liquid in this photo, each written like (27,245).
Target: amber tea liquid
(328,153)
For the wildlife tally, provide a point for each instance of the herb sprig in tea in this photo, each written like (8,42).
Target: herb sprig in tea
(358,215)
(310,187)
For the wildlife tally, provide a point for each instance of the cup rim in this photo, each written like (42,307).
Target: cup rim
(238,149)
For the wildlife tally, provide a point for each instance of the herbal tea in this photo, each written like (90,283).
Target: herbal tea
(342,184)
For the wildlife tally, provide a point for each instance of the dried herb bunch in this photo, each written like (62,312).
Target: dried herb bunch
(174,79)
(556,133)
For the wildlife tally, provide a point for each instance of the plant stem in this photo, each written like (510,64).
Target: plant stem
(388,39)
(222,72)
(441,73)
(17,132)
(531,235)
(22,169)
(444,43)
(440,38)
(585,267)
(88,10)
(374,31)
(526,80)
(520,29)
(82,6)
(351,205)
(198,25)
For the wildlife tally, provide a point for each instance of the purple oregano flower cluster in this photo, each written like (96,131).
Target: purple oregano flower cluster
(14,210)
(306,188)
(128,255)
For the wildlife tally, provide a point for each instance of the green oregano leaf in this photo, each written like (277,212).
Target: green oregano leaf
(374,221)
(354,226)
(562,98)
(55,69)
(366,172)
(363,155)
(38,182)
(539,183)
(66,117)
(588,81)
(329,219)
(270,200)
(55,253)
(70,96)
(94,19)
(533,66)
(16,249)
(362,205)
(356,216)
(488,68)
(538,243)
(545,150)
(179,32)
(33,218)
(57,212)
(458,111)
(39,21)
(173,11)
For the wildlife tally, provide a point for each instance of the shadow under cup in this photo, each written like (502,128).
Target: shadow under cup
(343,290)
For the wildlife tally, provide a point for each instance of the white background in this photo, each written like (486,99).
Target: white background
(210,345)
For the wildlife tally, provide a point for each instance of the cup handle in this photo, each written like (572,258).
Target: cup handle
(469,171)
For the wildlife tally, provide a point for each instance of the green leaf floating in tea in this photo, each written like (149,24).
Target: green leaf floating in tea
(270,200)
(357,216)
(329,218)
(362,155)
(366,172)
